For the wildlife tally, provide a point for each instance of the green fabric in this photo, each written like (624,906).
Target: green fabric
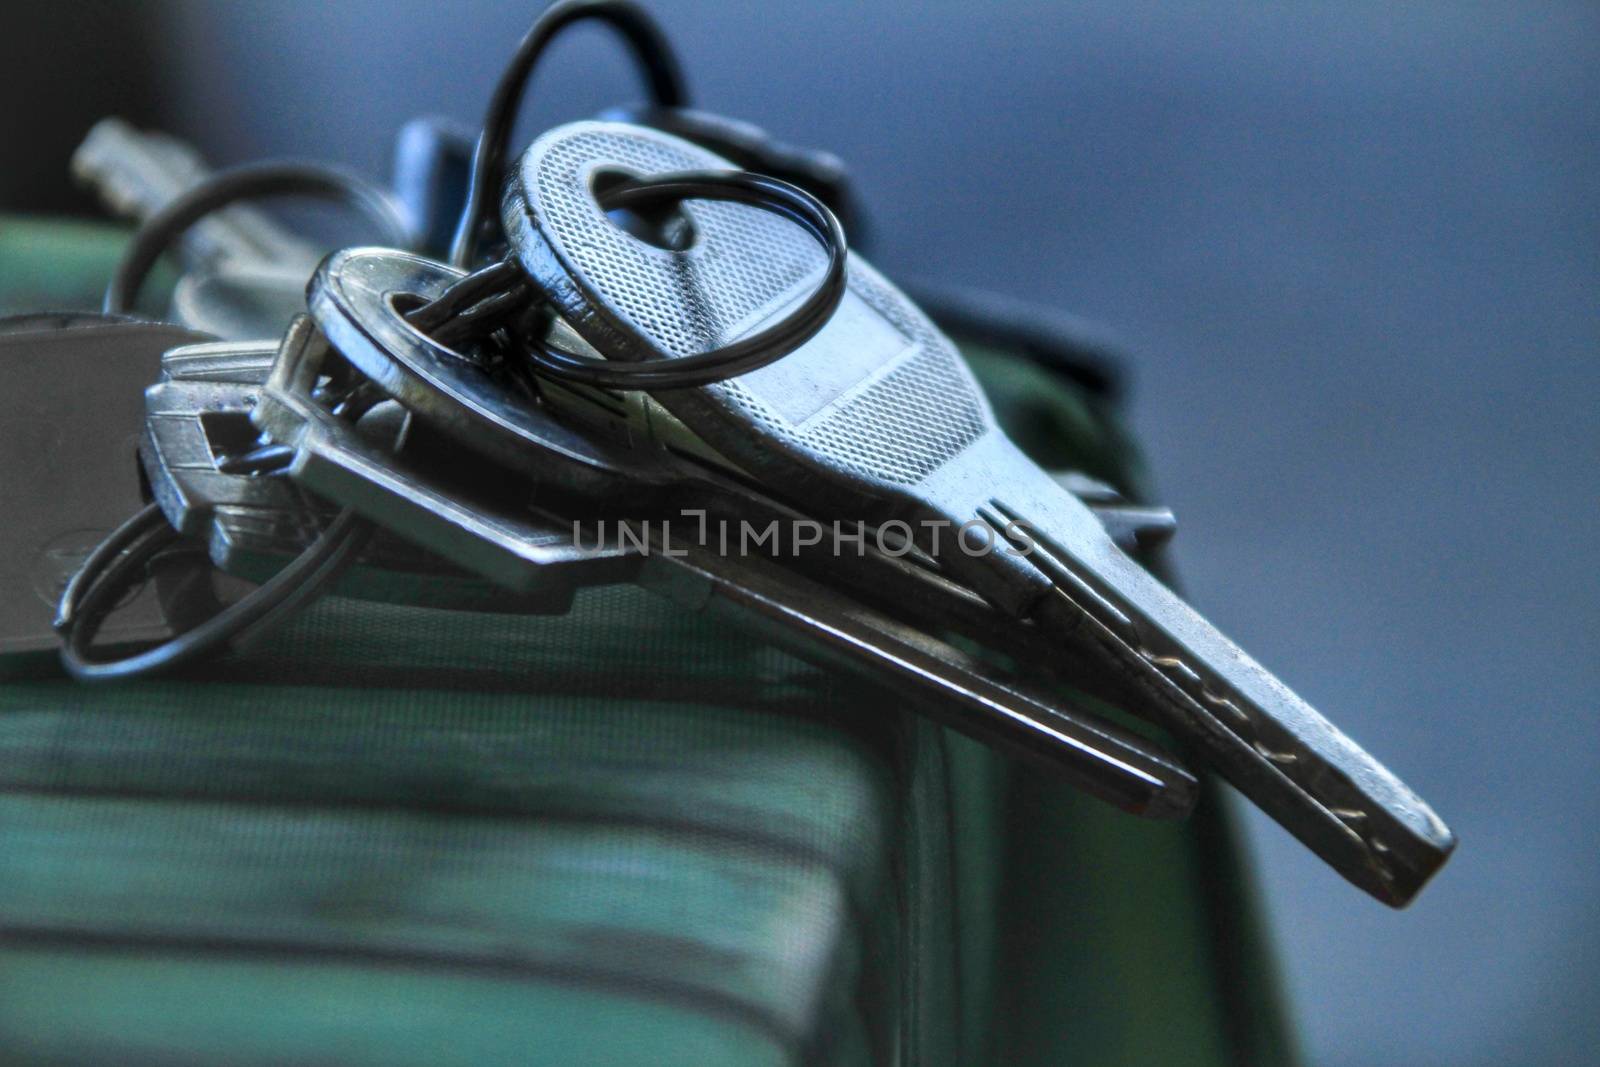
(54,265)
(624,835)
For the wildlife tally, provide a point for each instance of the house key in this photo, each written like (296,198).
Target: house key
(877,418)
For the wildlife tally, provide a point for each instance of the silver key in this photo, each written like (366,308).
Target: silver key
(878,418)
(644,459)
(495,532)
(244,275)
(197,418)
(811,619)
(137,173)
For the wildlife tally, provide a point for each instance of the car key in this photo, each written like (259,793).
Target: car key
(808,618)
(69,427)
(877,417)
(197,420)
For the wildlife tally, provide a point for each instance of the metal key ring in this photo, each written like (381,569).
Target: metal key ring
(746,354)
(650,49)
(252,181)
(122,557)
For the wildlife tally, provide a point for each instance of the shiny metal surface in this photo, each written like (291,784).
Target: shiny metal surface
(613,451)
(813,619)
(254,524)
(878,418)
(496,535)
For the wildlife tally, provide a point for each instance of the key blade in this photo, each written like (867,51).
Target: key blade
(819,623)
(1268,742)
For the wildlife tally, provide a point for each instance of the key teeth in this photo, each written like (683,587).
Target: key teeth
(1226,706)
(1379,854)
(1187,679)
(1381,864)
(1282,759)
(1294,766)
(1180,672)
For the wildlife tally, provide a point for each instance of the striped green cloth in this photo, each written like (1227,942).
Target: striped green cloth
(624,835)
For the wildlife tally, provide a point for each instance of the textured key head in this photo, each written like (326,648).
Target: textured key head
(875,402)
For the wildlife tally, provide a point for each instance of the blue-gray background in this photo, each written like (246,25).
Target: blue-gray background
(1354,248)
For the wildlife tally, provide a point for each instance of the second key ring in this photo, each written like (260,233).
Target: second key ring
(120,562)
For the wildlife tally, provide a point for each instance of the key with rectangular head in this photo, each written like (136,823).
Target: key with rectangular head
(501,536)
(878,418)
(197,420)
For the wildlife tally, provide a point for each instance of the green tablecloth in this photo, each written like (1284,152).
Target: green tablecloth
(626,835)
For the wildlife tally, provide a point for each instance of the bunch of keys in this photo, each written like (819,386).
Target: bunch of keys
(601,373)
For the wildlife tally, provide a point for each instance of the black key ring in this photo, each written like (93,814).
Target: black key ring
(650,51)
(122,558)
(746,354)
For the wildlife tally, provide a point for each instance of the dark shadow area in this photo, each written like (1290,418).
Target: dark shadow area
(66,66)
